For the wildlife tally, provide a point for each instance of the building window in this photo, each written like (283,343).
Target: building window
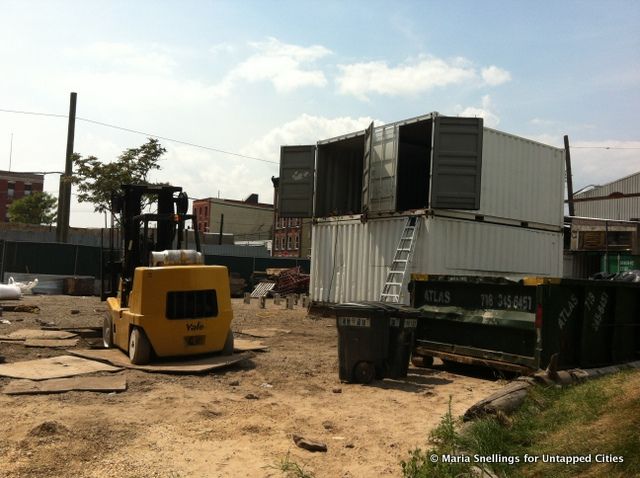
(11,188)
(27,189)
(296,238)
(282,243)
(288,242)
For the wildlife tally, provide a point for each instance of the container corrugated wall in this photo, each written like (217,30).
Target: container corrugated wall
(350,259)
(521,179)
(622,209)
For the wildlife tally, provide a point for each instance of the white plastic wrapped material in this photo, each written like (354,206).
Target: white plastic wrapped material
(177,257)
(9,292)
(25,287)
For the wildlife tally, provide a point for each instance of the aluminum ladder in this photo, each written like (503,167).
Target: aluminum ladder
(393,289)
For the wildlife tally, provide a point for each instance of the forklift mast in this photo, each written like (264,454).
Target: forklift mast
(138,241)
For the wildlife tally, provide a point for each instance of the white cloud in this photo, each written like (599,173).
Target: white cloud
(490,118)
(306,129)
(223,47)
(494,76)
(410,78)
(150,59)
(205,174)
(280,63)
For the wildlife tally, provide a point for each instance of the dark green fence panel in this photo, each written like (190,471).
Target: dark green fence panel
(69,259)
(88,261)
(40,258)
(51,258)
(239,265)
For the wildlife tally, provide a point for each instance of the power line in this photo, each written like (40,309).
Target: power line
(33,113)
(129,130)
(602,147)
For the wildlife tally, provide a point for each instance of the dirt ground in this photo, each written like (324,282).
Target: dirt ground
(232,423)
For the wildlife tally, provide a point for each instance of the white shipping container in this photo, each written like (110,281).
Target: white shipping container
(521,179)
(350,259)
(448,164)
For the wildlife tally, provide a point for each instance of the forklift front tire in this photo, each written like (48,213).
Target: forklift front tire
(228,344)
(139,347)
(107,332)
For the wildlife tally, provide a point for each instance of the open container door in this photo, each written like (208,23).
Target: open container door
(297,166)
(366,166)
(457,163)
(382,169)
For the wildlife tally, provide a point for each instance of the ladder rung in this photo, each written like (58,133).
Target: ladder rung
(394,284)
(400,260)
(389,295)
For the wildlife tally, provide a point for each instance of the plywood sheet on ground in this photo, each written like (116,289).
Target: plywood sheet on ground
(24,334)
(264,333)
(87,332)
(51,342)
(244,345)
(104,383)
(54,367)
(204,364)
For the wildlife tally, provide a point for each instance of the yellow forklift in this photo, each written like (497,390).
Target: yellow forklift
(162,300)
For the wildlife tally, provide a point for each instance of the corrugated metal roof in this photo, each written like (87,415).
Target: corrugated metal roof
(622,208)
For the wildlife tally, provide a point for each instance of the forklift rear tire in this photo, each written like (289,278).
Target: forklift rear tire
(228,344)
(107,332)
(139,347)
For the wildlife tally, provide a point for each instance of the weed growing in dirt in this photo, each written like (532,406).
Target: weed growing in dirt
(290,469)
(446,441)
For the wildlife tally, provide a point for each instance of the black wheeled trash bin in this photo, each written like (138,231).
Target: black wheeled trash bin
(403,321)
(363,341)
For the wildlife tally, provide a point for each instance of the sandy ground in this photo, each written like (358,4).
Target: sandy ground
(233,423)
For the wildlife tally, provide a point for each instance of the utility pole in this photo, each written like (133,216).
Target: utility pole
(221,228)
(567,157)
(64,194)
(10,151)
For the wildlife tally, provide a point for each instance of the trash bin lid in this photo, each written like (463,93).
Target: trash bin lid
(400,310)
(361,306)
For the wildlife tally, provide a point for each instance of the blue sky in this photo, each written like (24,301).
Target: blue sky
(247,77)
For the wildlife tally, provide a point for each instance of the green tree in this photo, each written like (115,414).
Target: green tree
(36,208)
(96,180)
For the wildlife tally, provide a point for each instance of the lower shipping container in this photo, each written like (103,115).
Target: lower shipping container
(350,259)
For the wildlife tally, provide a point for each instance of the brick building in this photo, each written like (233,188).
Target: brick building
(14,186)
(291,236)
